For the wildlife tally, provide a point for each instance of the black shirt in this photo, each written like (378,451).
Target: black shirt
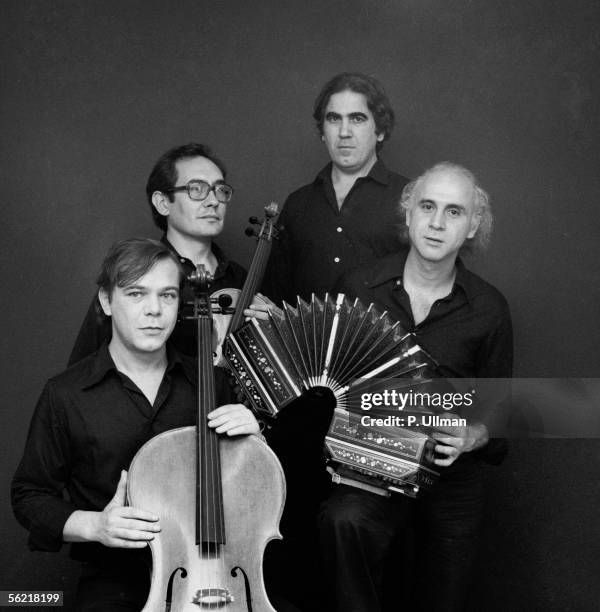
(468,332)
(97,329)
(88,424)
(318,241)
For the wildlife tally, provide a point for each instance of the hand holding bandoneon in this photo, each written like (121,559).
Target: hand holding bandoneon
(260,307)
(457,439)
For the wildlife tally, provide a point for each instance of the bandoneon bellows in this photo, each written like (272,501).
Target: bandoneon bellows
(357,352)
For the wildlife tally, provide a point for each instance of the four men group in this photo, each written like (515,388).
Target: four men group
(342,232)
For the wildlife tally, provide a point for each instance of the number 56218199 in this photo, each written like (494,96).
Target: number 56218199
(31,598)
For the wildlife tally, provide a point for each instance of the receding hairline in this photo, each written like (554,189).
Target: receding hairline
(193,157)
(448,170)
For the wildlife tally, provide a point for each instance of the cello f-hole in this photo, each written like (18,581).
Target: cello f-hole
(234,573)
(169,596)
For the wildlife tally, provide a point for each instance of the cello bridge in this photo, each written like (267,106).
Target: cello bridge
(216,598)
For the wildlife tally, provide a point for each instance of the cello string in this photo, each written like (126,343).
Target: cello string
(216,493)
(212,547)
(205,376)
(202,380)
(214,497)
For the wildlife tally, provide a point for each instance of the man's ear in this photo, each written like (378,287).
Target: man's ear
(380,137)
(475,221)
(161,203)
(104,302)
(407,216)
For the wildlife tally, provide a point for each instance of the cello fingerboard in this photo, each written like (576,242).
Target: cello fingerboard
(210,522)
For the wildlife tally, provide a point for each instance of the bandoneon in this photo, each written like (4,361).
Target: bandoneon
(357,352)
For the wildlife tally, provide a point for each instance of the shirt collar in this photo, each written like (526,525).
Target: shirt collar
(389,268)
(378,173)
(465,280)
(102,364)
(222,259)
(392,268)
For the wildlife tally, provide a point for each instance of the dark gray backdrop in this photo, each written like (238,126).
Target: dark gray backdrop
(95,91)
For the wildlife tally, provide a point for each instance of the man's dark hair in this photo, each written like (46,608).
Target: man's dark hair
(377,100)
(164,174)
(128,260)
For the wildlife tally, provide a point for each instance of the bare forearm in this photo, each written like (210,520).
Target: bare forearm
(117,526)
(81,526)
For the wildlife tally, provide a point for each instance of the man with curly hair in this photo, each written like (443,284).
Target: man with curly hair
(346,216)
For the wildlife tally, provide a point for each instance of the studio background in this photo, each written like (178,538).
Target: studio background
(94,92)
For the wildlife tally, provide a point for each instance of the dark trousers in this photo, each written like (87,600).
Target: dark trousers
(362,533)
(106,587)
(448,525)
(291,565)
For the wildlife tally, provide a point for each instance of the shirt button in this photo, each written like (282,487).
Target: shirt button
(398,282)
(336,259)
(339,229)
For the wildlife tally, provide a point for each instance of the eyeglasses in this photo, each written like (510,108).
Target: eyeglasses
(199,190)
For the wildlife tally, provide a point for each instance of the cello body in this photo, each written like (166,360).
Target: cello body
(162,480)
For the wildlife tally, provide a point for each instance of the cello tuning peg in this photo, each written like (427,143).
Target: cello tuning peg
(253,220)
(250,232)
(225,301)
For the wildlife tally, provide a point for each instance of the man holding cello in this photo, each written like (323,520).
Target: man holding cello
(92,419)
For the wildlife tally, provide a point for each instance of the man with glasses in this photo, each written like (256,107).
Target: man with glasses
(188,197)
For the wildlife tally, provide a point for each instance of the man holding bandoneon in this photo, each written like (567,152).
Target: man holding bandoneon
(464,323)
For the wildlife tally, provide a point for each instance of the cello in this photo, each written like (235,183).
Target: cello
(219,502)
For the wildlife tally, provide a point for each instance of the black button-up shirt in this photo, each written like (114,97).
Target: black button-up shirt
(318,241)
(468,332)
(88,424)
(97,328)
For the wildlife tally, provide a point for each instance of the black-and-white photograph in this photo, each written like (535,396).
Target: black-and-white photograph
(300,305)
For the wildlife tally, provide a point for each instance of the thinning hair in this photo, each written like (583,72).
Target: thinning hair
(128,260)
(377,101)
(164,174)
(483,207)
